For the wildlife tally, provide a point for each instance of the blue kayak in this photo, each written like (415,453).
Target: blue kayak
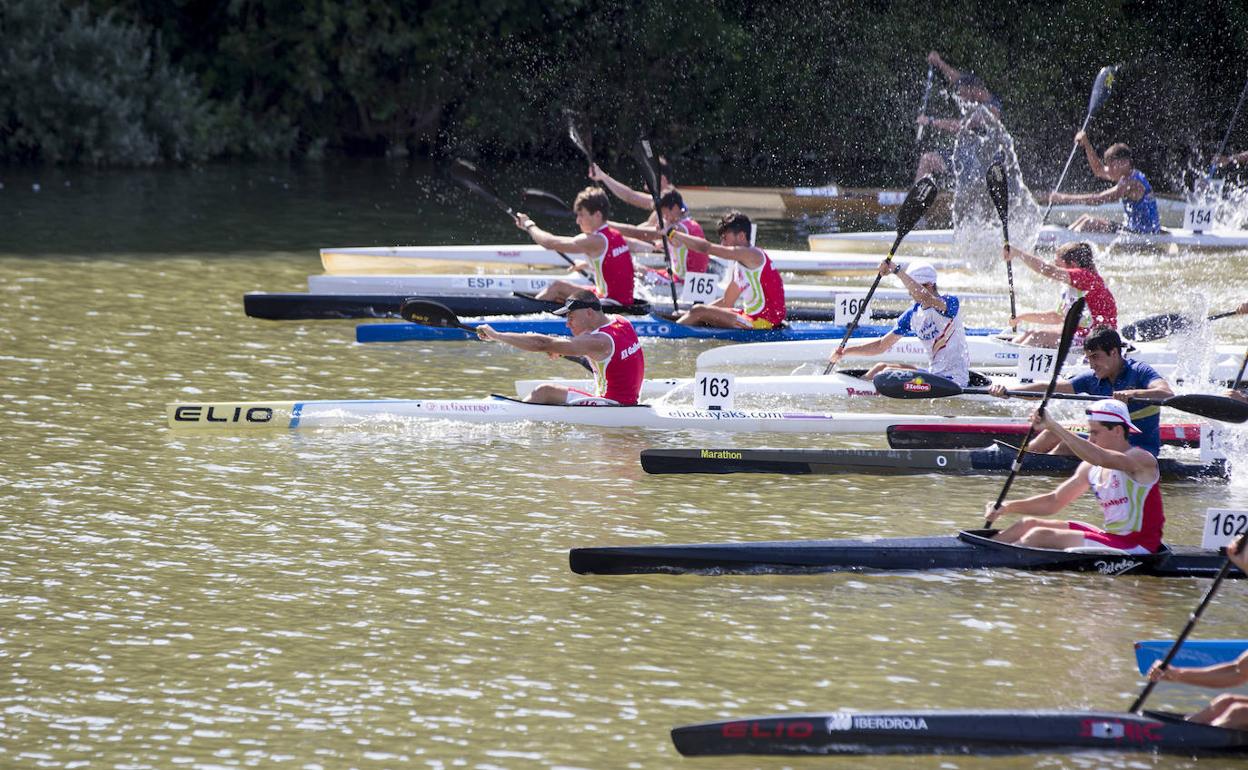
(647,326)
(1203,652)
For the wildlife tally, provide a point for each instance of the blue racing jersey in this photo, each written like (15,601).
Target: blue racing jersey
(1135,375)
(1141,216)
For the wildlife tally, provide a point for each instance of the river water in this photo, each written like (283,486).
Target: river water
(398,594)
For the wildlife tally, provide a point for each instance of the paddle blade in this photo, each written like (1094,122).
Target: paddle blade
(896,383)
(917,202)
(470,177)
(1218,408)
(1102,88)
(427,313)
(999,190)
(643,153)
(544,203)
(575,136)
(1155,327)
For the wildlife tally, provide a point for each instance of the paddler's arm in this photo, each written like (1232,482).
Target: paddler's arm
(1222,676)
(948,125)
(1047,504)
(873,348)
(637,231)
(1137,464)
(622,191)
(1047,269)
(749,256)
(1041,317)
(1119,191)
(917,290)
(1000,391)
(729,298)
(1094,160)
(597,346)
(1224,160)
(1157,388)
(585,243)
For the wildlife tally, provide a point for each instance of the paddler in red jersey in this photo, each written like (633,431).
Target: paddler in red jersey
(756,282)
(1228,709)
(608,342)
(1074,267)
(608,258)
(1125,480)
(684,259)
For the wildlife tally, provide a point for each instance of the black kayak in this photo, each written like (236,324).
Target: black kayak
(296,306)
(971,549)
(301,306)
(959,732)
(892,462)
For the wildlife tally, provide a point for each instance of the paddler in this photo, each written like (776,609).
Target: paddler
(756,282)
(1130,186)
(1228,709)
(970,93)
(1075,267)
(608,258)
(608,342)
(636,198)
(1111,374)
(676,216)
(1124,478)
(935,318)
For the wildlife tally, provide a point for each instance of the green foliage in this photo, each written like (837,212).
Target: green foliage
(815,89)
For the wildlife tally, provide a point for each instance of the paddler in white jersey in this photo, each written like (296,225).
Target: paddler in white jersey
(608,342)
(935,318)
(1125,480)
(1228,709)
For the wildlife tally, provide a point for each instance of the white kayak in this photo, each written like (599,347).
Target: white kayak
(499,284)
(1050,237)
(835,385)
(405,259)
(290,415)
(984,351)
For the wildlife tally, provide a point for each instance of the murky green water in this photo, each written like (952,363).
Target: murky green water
(398,595)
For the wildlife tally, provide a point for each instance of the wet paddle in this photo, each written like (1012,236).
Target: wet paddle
(916,204)
(544,203)
(428,313)
(1191,623)
(1100,92)
(999,191)
(1239,378)
(911,385)
(645,156)
(1162,325)
(576,137)
(1222,147)
(927,92)
(470,177)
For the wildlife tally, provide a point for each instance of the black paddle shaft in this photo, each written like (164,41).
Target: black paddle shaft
(999,191)
(1073,314)
(645,157)
(1191,624)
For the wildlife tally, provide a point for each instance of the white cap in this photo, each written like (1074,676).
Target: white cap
(1112,410)
(921,272)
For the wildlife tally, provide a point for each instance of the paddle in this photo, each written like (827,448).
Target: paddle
(1156,327)
(645,156)
(544,203)
(467,175)
(911,385)
(927,91)
(916,204)
(1222,147)
(1100,92)
(1191,623)
(999,191)
(428,313)
(1239,378)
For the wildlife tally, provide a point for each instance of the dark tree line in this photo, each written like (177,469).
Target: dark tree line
(816,89)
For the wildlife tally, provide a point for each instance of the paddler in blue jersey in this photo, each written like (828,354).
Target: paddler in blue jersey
(971,94)
(935,318)
(1130,186)
(1228,709)
(1112,375)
